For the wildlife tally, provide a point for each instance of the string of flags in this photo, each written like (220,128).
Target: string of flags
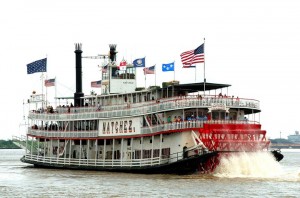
(188,58)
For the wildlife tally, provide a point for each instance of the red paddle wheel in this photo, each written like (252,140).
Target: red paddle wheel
(231,138)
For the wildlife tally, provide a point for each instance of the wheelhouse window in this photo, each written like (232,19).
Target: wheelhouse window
(218,115)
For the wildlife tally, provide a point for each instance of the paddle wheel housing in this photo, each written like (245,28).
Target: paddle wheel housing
(228,138)
(233,137)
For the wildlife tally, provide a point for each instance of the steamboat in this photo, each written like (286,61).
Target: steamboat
(176,128)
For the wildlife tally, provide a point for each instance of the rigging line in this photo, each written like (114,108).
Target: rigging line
(70,89)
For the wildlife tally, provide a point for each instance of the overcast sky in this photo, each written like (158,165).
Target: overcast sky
(252,45)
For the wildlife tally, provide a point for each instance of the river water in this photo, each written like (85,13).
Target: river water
(247,175)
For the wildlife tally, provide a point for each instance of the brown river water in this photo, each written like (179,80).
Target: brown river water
(255,175)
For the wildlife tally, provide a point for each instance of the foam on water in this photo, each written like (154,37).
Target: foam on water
(253,165)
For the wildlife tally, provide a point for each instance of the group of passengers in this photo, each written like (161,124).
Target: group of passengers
(49,109)
(51,127)
(189,117)
(224,96)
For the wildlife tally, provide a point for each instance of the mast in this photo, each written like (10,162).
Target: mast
(204,64)
(78,101)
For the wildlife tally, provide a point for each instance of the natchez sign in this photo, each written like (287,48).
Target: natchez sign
(116,127)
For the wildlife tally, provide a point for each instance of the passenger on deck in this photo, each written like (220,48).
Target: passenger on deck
(208,117)
(179,119)
(193,117)
(169,119)
(175,119)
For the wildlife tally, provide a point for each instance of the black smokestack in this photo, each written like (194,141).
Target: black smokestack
(112,52)
(77,100)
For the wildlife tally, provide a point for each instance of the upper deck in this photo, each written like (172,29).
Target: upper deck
(127,109)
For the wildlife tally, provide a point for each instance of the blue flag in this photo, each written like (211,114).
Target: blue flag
(168,67)
(37,66)
(140,62)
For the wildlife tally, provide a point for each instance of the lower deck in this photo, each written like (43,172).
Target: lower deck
(181,165)
(155,150)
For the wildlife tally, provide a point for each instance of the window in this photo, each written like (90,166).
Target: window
(128,142)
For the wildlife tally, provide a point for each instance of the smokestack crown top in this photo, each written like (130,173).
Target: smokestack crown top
(112,52)
(78,47)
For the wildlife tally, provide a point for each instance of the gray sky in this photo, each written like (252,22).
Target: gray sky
(252,45)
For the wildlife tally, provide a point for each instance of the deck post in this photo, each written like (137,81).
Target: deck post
(104,152)
(122,143)
(141,151)
(152,149)
(38,147)
(51,151)
(26,146)
(80,149)
(96,153)
(57,151)
(31,148)
(160,145)
(70,151)
(45,148)
(65,150)
(131,149)
(88,151)
(113,153)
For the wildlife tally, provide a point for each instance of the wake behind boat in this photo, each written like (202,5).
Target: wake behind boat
(176,128)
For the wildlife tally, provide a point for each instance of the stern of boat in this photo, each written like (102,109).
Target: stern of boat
(228,138)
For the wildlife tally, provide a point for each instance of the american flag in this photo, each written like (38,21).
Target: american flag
(50,82)
(191,57)
(149,70)
(37,66)
(96,84)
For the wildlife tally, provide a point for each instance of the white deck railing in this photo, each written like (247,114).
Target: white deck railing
(144,130)
(98,162)
(136,109)
(109,162)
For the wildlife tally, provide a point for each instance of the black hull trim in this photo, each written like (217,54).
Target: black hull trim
(185,166)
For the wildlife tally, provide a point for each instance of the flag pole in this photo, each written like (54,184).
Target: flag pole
(42,79)
(43,82)
(55,92)
(204,64)
(174,69)
(155,81)
(155,73)
(195,74)
(145,79)
(46,89)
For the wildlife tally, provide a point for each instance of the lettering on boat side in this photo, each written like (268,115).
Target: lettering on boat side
(126,82)
(117,127)
(218,106)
